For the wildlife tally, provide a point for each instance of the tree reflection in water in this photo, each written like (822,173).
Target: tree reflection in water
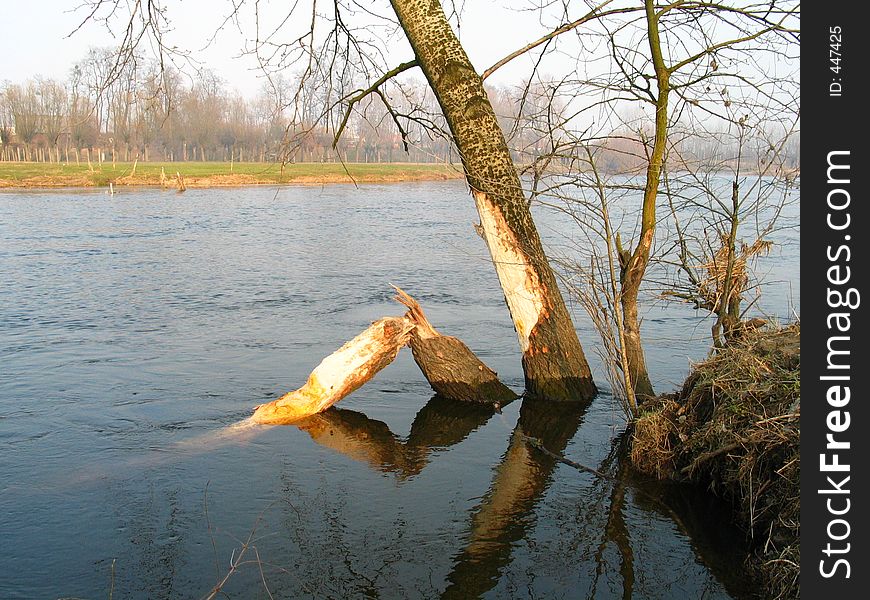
(501,519)
(507,513)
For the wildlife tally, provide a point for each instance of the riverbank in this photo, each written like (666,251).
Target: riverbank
(215,174)
(735,427)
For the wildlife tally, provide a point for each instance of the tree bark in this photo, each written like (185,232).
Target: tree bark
(634,269)
(554,364)
(449,366)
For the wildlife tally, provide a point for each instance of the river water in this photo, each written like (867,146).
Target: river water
(137,330)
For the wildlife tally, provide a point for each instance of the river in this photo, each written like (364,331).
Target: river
(137,329)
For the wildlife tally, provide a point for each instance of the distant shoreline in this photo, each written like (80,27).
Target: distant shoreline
(31,175)
(27,175)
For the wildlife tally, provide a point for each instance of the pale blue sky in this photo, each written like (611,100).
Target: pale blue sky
(34,38)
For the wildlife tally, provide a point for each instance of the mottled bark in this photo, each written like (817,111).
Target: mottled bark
(554,364)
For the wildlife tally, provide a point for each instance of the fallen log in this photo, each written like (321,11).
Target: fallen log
(449,366)
(340,373)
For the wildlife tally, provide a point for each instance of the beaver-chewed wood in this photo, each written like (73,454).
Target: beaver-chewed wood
(341,372)
(449,366)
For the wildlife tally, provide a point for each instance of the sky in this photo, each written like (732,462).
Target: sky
(35,38)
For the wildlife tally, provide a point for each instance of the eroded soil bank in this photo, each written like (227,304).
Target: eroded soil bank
(735,428)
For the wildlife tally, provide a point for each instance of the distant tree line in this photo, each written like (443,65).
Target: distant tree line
(108,110)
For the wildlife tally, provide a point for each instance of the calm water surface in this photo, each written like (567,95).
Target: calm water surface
(135,331)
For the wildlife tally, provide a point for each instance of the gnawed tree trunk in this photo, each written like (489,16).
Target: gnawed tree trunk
(340,373)
(554,364)
(449,366)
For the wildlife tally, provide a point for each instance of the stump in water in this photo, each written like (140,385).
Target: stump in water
(449,366)
(340,373)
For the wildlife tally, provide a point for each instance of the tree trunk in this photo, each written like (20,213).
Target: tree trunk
(340,373)
(634,267)
(553,360)
(633,347)
(449,366)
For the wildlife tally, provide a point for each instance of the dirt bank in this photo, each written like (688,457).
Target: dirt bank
(735,427)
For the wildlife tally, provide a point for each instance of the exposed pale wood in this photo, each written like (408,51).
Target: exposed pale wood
(523,291)
(554,364)
(340,373)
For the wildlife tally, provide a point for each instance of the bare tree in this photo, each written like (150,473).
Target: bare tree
(23,103)
(713,203)
(666,72)
(350,52)
(52,107)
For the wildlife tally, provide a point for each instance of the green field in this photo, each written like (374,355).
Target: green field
(208,174)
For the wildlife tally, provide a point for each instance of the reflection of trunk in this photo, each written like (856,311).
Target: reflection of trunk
(356,436)
(520,480)
(444,422)
(616,529)
(439,424)
(553,360)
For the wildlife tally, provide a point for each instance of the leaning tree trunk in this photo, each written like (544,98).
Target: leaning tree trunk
(553,360)
(340,373)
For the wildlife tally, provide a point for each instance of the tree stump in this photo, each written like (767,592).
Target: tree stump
(449,366)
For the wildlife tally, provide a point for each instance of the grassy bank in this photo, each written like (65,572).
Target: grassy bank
(735,427)
(215,174)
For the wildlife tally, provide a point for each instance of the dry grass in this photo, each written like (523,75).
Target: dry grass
(716,272)
(652,450)
(735,427)
(216,174)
